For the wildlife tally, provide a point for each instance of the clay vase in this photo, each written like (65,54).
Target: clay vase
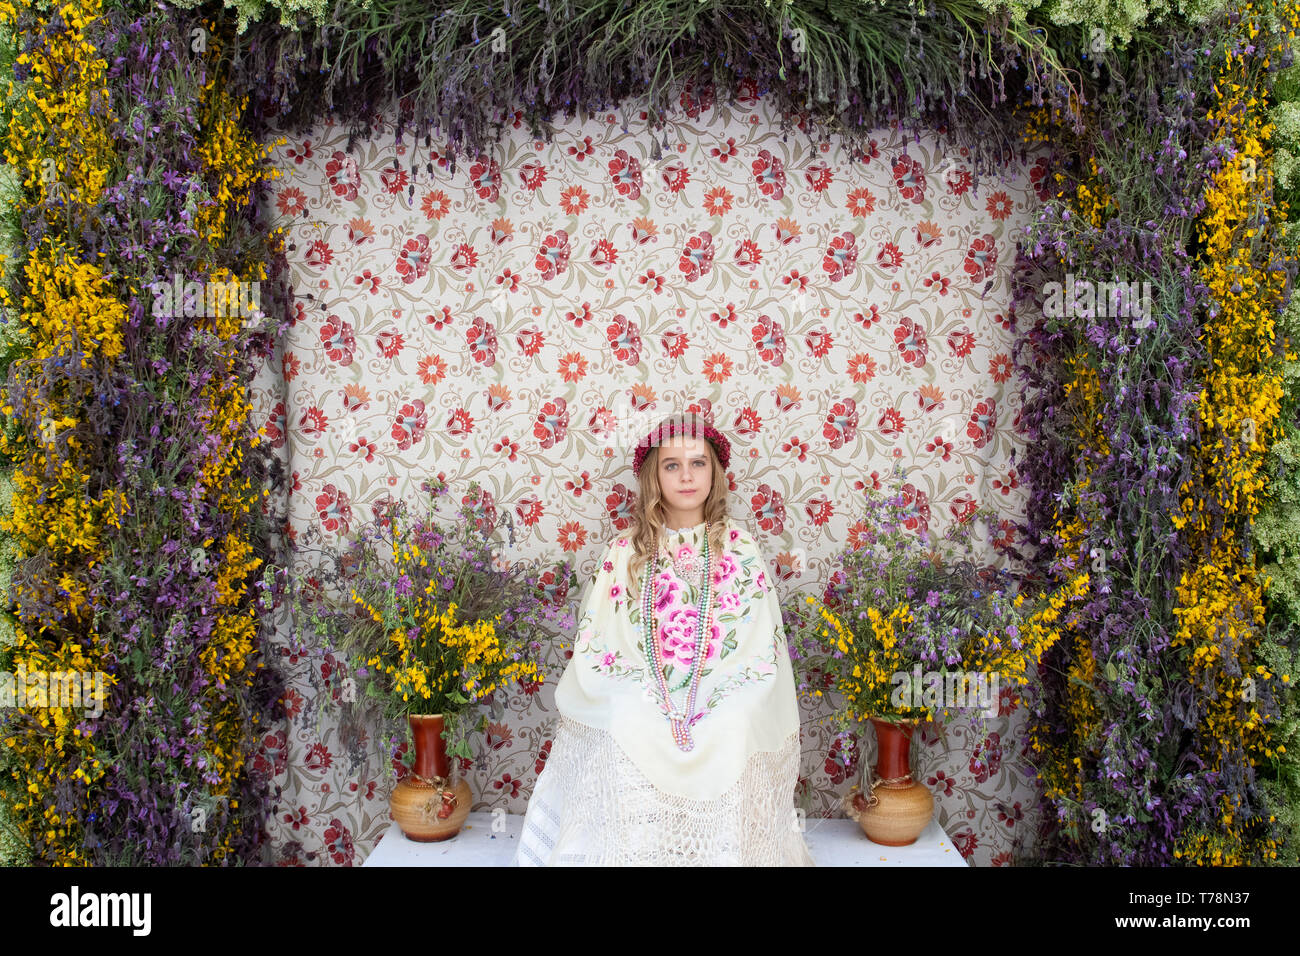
(426,804)
(902,807)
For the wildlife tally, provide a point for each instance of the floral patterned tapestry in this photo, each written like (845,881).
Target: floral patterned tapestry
(513,319)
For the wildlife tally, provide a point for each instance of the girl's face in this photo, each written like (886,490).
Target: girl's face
(685,476)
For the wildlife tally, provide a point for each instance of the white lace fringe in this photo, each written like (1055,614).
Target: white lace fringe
(593,807)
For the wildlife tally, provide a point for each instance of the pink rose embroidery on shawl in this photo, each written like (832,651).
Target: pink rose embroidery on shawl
(726,569)
(668,587)
(607,661)
(685,553)
(728,601)
(734,535)
(608,565)
(677,637)
(616,592)
(760,582)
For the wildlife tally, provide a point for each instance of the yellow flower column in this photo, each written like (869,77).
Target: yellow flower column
(1220,599)
(67,321)
(233,164)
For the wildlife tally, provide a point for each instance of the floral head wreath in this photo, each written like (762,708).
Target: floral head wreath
(682,426)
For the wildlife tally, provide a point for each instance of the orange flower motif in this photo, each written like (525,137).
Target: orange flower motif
(573,366)
(862,367)
(572,536)
(718,201)
(498,397)
(861,202)
(717,367)
(359,230)
(643,230)
(435,204)
(643,396)
(432,369)
(1000,367)
(575,200)
(787,397)
(927,234)
(999,205)
(355,397)
(787,230)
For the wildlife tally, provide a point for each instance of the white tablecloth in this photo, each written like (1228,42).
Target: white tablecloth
(489,839)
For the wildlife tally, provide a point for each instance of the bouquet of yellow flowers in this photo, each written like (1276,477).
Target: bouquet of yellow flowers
(907,631)
(433,620)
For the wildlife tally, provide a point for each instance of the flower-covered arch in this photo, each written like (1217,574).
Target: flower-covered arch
(1157,455)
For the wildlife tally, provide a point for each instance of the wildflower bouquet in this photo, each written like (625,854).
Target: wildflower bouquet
(426,615)
(899,604)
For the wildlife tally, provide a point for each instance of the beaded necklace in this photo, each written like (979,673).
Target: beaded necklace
(679,720)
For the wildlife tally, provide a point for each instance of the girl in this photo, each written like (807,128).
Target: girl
(683,748)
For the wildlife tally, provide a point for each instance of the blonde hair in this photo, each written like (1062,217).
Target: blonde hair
(649,520)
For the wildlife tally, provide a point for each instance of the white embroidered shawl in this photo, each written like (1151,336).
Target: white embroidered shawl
(727,800)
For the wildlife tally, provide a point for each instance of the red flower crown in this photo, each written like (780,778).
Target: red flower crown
(689,426)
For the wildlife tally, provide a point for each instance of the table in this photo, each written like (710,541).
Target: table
(490,838)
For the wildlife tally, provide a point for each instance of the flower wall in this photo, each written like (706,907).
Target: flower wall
(145,512)
(1162,722)
(137,519)
(514,321)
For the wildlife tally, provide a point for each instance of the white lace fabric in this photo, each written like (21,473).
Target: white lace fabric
(592,806)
